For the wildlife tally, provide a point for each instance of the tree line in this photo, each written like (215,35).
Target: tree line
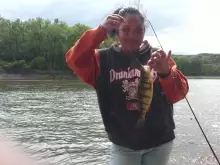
(40,44)
(204,64)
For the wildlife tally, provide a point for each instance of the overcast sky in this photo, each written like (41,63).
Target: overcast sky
(184,26)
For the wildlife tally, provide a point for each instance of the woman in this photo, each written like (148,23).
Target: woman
(112,71)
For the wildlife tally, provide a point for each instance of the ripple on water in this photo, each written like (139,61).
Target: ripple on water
(60,124)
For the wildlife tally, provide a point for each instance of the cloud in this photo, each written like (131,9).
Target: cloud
(84,11)
(183,26)
(199,34)
(24,9)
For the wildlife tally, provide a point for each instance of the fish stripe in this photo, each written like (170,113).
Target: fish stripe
(145,92)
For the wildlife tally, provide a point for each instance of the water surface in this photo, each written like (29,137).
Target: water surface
(59,122)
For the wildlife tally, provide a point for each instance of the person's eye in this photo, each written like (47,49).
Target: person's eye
(125,30)
(140,30)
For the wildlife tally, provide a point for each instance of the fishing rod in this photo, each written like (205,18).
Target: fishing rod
(179,85)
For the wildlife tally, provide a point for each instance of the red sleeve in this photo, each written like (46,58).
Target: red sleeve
(175,85)
(83,57)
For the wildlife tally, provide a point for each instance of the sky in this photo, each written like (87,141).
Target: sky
(182,26)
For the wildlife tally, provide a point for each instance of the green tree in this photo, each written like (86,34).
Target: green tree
(40,44)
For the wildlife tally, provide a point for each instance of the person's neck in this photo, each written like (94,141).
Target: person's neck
(128,51)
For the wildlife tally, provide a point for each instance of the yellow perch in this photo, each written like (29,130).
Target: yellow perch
(145,93)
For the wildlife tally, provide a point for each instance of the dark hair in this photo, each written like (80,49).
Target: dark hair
(123,12)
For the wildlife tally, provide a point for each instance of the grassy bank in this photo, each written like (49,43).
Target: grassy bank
(37,75)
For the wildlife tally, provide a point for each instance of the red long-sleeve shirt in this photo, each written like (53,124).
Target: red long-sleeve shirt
(80,58)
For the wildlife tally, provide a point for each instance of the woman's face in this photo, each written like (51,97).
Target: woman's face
(131,32)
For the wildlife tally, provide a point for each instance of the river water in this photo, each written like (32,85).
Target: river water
(59,122)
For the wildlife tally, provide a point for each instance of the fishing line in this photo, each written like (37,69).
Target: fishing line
(180,86)
(176,80)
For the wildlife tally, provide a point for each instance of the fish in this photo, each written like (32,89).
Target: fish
(145,93)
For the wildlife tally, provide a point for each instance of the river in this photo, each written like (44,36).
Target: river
(59,122)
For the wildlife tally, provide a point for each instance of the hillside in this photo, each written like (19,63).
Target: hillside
(199,65)
(38,46)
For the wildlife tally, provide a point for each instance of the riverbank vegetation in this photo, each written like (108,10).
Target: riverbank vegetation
(39,45)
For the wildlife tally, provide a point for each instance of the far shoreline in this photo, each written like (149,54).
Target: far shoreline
(203,77)
(62,77)
(37,76)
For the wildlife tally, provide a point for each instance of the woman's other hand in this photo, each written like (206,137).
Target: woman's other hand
(159,61)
